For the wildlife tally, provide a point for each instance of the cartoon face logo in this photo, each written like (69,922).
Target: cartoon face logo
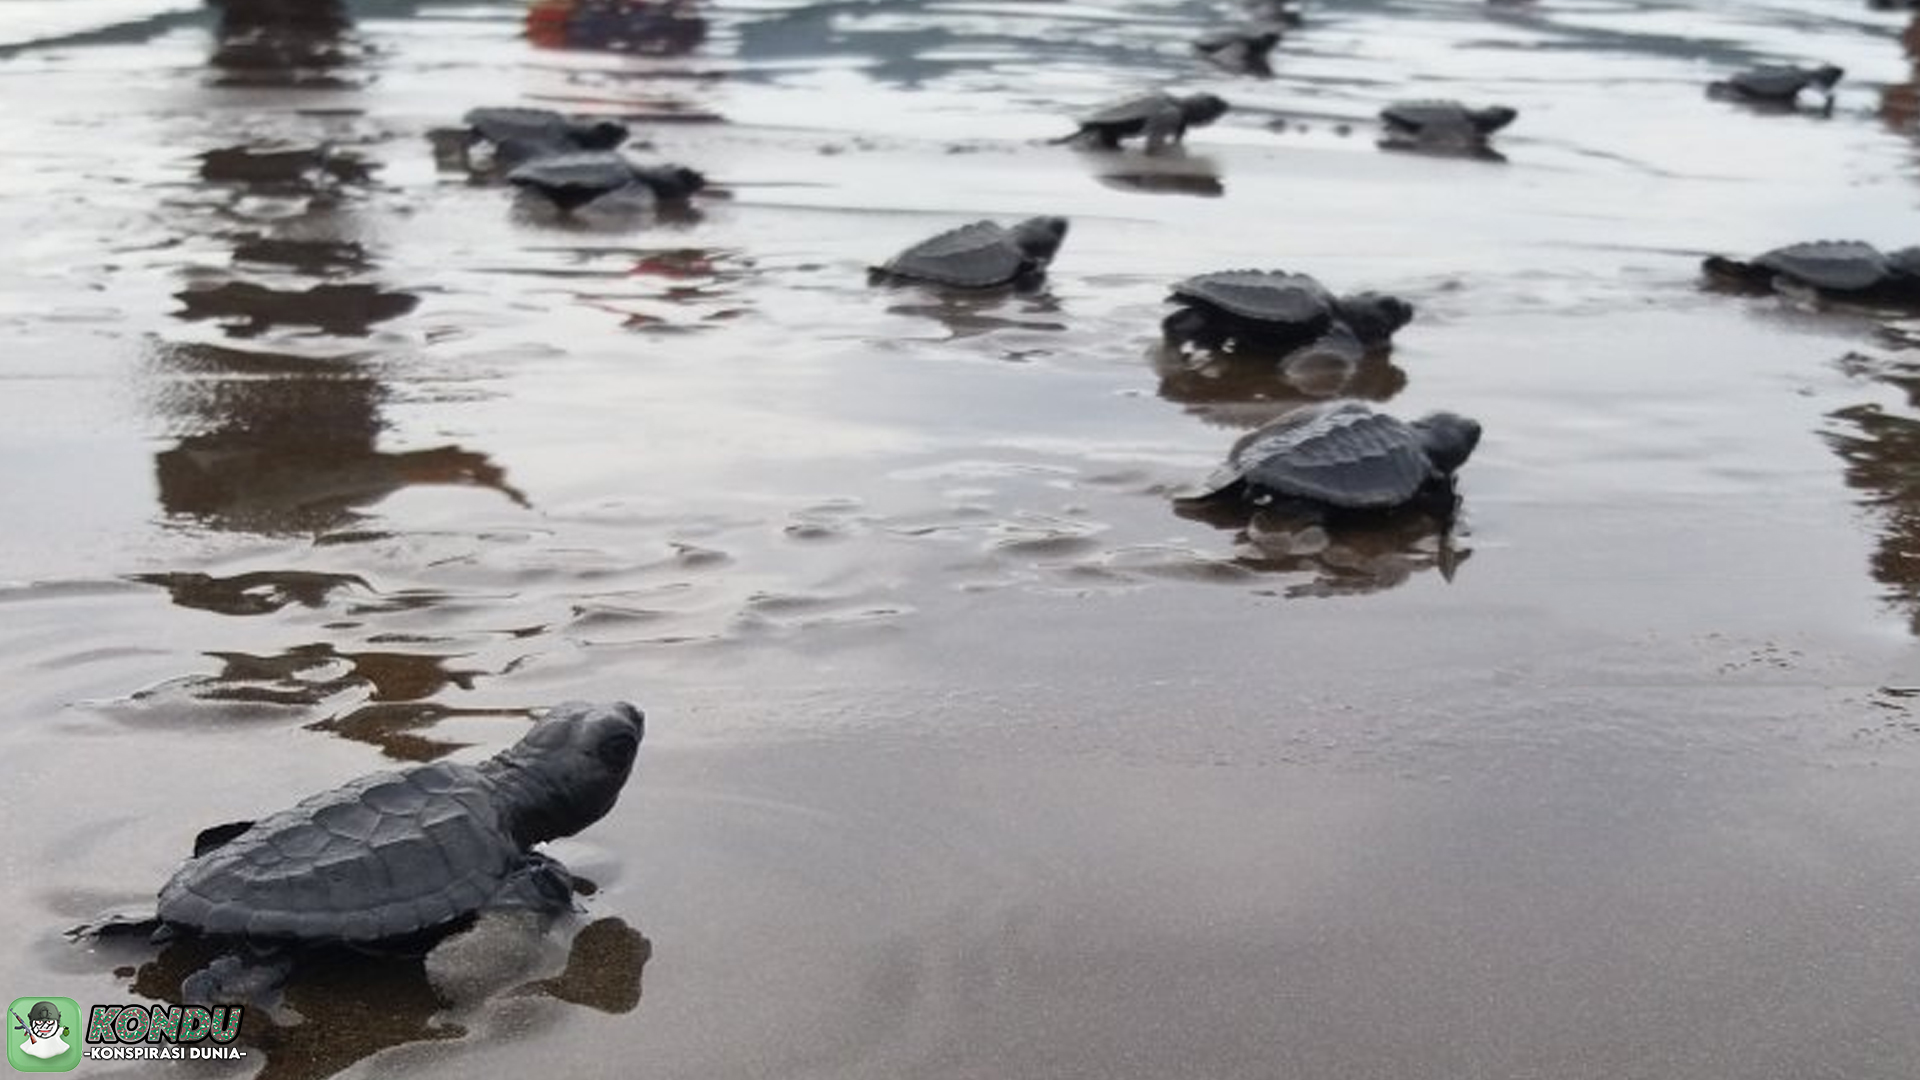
(38,1042)
(43,1020)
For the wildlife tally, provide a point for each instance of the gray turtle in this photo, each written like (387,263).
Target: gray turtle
(1344,456)
(1845,269)
(1244,51)
(399,856)
(520,134)
(981,255)
(1159,116)
(1778,84)
(1277,311)
(572,180)
(1442,126)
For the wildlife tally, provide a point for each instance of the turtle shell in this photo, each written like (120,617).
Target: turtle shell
(1130,111)
(1415,117)
(1342,454)
(385,856)
(571,180)
(1836,265)
(1774,83)
(1294,302)
(542,127)
(980,255)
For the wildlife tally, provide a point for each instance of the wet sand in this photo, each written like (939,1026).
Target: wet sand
(967,754)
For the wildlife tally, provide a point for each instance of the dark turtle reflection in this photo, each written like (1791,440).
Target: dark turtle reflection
(247,309)
(288,444)
(1173,171)
(315,258)
(1337,556)
(1248,389)
(260,592)
(282,168)
(970,313)
(281,43)
(338,1006)
(1881,450)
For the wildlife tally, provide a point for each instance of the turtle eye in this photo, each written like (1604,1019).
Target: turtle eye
(618,749)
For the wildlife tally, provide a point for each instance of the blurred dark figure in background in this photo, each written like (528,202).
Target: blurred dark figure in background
(280,42)
(652,27)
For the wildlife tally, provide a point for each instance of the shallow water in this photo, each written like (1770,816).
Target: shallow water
(968,754)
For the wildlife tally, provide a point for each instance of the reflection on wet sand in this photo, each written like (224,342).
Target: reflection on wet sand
(281,168)
(649,27)
(314,258)
(255,593)
(1900,101)
(1170,172)
(285,43)
(248,309)
(1334,558)
(283,443)
(340,1006)
(396,727)
(1882,454)
(1248,389)
(970,314)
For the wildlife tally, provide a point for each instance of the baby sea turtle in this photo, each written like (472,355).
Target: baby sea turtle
(1275,310)
(1242,51)
(1342,455)
(519,134)
(573,180)
(1777,85)
(1160,117)
(981,255)
(1845,269)
(397,856)
(1442,126)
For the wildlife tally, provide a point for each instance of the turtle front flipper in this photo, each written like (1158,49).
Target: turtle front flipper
(1733,273)
(1167,125)
(217,836)
(540,884)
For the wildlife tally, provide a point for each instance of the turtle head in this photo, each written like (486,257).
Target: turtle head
(565,774)
(1373,316)
(673,181)
(1201,109)
(1448,438)
(1039,237)
(1492,118)
(601,135)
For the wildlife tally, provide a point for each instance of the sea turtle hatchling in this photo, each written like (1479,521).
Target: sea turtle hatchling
(522,134)
(572,180)
(1437,125)
(982,255)
(405,855)
(1273,310)
(1160,117)
(1778,84)
(1843,269)
(1344,456)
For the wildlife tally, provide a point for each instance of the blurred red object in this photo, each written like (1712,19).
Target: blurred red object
(656,27)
